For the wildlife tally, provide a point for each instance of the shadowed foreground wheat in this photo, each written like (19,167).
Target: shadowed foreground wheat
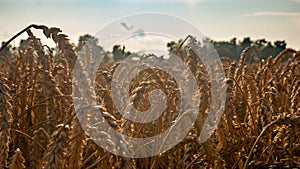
(39,129)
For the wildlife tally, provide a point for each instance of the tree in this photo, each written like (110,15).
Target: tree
(246,43)
(8,51)
(24,43)
(86,38)
(260,43)
(268,50)
(172,46)
(280,45)
(228,49)
(233,41)
(119,53)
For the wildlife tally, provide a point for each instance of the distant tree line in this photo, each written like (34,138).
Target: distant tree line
(232,49)
(263,48)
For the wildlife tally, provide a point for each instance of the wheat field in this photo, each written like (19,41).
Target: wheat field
(39,128)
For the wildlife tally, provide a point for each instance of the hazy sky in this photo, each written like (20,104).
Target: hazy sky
(218,19)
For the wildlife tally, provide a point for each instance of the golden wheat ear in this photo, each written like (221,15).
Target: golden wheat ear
(17,160)
(5,121)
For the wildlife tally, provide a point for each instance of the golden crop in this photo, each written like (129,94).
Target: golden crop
(39,129)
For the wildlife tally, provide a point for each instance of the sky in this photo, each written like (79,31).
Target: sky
(217,19)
